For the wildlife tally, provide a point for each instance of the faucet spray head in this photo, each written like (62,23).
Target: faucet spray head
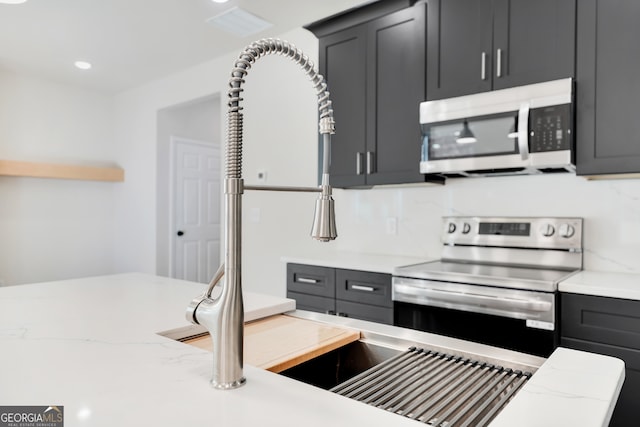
(324,219)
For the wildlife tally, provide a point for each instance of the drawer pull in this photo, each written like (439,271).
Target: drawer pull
(307,280)
(363,288)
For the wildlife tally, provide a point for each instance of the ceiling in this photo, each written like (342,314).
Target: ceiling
(130,42)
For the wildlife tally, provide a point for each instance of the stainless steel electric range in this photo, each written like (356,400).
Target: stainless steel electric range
(496,282)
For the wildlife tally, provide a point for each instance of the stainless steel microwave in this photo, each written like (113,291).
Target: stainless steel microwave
(521,130)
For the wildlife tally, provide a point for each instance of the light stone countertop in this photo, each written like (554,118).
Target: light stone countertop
(603,284)
(91,345)
(376,263)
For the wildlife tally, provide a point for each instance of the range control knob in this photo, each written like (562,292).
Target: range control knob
(466,228)
(452,227)
(566,230)
(547,230)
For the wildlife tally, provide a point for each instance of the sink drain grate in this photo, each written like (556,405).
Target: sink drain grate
(436,388)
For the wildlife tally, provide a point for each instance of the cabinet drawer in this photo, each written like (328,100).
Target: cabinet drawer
(599,319)
(312,280)
(313,303)
(372,313)
(364,287)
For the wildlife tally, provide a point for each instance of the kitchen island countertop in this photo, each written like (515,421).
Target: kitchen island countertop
(91,345)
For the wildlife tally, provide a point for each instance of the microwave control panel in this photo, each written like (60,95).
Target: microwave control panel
(550,128)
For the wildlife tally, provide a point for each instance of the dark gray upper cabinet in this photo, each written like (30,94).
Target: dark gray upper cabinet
(607,89)
(376,75)
(479,45)
(395,87)
(459,45)
(342,59)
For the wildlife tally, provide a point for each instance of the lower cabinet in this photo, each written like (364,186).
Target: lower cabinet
(348,293)
(608,326)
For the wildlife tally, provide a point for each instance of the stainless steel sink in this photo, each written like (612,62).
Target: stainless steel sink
(436,380)
(340,365)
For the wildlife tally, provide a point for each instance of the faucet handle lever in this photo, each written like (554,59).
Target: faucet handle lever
(215,280)
(193,305)
(192,308)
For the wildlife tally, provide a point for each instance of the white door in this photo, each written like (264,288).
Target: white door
(196,178)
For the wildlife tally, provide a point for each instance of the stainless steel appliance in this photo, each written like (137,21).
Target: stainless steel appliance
(496,282)
(521,130)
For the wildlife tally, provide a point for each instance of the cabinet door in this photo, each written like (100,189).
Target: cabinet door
(607,89)
(605,320)
(342,62)
(459,53)
(395,87)
(534,41)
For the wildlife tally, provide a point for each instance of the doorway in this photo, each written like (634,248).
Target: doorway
(198,122)
(195,195)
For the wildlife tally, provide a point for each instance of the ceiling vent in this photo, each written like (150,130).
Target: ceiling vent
(239,22)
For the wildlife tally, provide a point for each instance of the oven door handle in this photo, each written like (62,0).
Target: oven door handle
(471,300)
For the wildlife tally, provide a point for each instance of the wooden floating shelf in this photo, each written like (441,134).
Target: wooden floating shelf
(60,171)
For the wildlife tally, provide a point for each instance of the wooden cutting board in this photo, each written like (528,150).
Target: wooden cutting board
(280,342)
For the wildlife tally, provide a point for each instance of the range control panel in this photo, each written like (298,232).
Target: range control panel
(522,232)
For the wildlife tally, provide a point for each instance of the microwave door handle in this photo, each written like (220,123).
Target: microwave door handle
(523,131)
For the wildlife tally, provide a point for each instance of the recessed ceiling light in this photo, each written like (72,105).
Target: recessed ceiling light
(13,1)
(215,1)
(83,65)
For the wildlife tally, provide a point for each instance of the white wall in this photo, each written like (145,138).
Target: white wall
(54,229)
(280,137)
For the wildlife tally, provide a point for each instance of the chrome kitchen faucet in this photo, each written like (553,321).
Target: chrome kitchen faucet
(223,316)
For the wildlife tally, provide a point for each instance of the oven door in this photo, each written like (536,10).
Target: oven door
(515,319)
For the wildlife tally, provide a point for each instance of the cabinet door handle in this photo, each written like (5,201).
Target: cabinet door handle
(307,280)
(363,288)
(499,63)
(370,162)
(483,66)
(359,163)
